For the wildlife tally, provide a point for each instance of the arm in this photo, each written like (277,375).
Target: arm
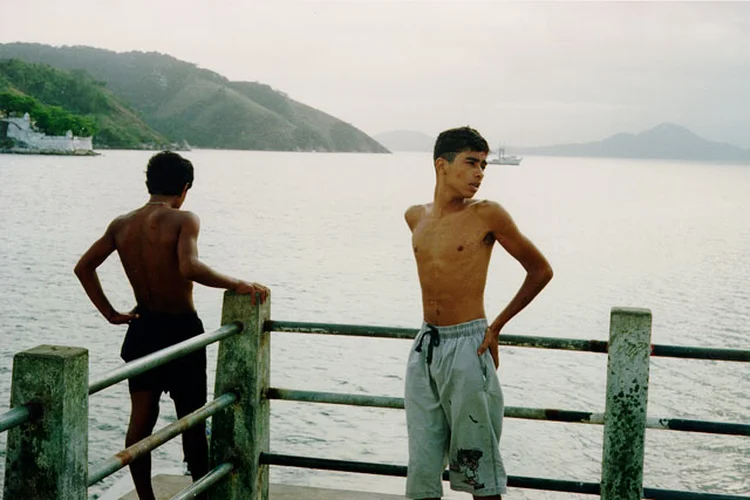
(538,270)
(193,269)
(85,270)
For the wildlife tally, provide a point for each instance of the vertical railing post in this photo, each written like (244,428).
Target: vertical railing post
(47,458)
(627,399)
(241,432)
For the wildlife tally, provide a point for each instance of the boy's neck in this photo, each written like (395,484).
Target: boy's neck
(167,201)
(445,202)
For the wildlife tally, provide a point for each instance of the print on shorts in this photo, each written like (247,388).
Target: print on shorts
(467,461)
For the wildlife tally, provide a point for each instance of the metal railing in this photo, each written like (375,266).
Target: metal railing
(158,358)
(555,415)
(240,444)
(519,412)
(18,416)
(27,476)
(144,446)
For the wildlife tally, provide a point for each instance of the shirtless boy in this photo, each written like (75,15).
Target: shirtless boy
(157,245)
(453,400)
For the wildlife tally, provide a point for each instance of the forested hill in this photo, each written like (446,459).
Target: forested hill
(72,100)
(182,101)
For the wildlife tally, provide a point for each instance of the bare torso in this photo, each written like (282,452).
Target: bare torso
(453,253)
(146,241)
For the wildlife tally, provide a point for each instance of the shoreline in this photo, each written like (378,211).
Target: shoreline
(16,151)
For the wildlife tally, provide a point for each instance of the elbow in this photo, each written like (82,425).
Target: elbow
(188,270)
(80,270)
(547,273)
(544,273)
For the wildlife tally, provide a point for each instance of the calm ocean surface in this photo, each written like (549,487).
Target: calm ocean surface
(326,233)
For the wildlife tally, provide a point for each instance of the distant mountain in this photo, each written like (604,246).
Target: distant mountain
(666,141)
(406,140)
(183,102)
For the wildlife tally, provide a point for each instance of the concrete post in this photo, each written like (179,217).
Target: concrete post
(627,399)
(48,457)
(241,432)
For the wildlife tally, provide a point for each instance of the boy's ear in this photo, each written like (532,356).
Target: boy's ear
(440,164)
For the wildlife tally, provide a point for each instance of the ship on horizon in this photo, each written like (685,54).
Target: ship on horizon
(503,159)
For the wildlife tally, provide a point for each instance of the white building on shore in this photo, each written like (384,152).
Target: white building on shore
(20,130)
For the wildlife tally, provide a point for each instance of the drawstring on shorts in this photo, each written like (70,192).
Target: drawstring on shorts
(434,341)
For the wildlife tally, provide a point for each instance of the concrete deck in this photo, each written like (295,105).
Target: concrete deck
(166,486)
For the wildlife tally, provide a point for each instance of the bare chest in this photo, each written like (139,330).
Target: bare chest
(454,239)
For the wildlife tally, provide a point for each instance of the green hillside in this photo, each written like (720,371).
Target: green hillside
(184,102)
(73,99)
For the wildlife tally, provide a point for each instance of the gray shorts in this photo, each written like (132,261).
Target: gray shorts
(454,413)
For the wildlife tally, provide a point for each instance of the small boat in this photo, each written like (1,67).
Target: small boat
(503,159)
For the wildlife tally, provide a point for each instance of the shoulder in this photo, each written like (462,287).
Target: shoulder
(492,213)
(119,223)
(486,207)
(185,218)
(414,213)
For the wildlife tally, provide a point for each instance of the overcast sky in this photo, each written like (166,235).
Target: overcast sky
(522,73)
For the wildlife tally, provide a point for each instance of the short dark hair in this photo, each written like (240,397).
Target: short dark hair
(168,173)
(457,140)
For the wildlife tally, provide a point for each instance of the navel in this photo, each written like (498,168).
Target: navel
(460,248)
(416,249)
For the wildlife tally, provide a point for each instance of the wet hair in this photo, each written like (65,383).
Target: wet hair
(167,174)
(453,141)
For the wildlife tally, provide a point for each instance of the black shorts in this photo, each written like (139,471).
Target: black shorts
(182,377)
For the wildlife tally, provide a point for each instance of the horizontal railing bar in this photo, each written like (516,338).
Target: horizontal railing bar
(158,358)
(562,344)
(400,471)
(712,353)
(600,346)
(704,426)
(335,465)
(409,333)
(398,404)
(18,416)
(124,457)
(533,483)
(660,494)
(340,329)
(520,412)
(335,398)
(204,483)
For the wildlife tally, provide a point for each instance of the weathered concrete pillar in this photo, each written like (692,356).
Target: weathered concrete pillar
(48,457)
(241,432)
(627,399)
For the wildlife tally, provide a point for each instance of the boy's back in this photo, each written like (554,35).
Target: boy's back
(158,248)
(147,241)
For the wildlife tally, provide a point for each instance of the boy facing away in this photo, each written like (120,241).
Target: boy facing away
(157,245)
(454,404)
